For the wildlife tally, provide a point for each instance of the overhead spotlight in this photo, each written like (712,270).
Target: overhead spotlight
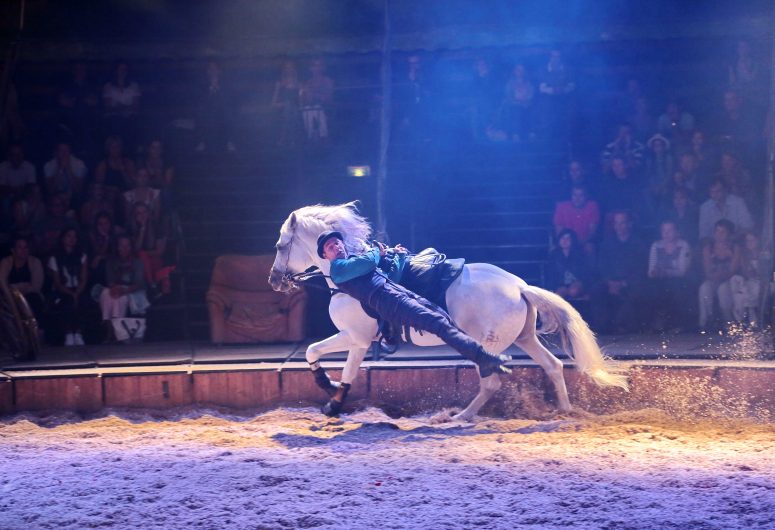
(358,171)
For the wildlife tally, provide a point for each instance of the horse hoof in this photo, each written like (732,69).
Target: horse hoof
(332,408)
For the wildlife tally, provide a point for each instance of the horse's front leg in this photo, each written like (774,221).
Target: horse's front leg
(339,342)
(354,359)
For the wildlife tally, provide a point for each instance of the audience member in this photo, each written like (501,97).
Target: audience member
(412,101)
(745,74)
(643,123)
(579,214)
(121,105)
(316,96)
(102,241)
(693,180)
(556,86)
(737,127)
(57,219)
(676,124)
(24,272)
(65,174)
(161,173)
(736,178)
(485,97)
(29,211)
(124,290)
(658,168)
(149,241)
(96,202)
(117,171)
(668,285)
(624,146)
(78,104)
(568,273)
(617,301)
(143,193)
(517,105)
(746,285)
(720,261)
(69,277)
(285,100)
(703,154)
(683,212)
(15,172)
(621,190)
(723,205)
(216,112)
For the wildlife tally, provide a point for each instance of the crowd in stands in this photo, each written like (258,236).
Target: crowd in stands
(90,236)
(660,232)
(665,212)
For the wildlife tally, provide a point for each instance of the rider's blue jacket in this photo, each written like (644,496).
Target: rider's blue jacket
(360,275)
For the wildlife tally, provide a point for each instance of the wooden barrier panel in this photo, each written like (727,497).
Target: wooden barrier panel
(749,389)
(298,387)
(154,391)
(237,389)
(6,397)
(414,390)
(81,394)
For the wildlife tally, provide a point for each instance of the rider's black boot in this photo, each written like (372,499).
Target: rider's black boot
(489,363)
(322,380)
(334,405)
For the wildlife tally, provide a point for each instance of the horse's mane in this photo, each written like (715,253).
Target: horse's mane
(311,221)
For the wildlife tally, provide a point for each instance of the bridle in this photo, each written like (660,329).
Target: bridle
(294,281)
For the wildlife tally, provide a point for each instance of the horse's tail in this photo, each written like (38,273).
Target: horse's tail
(578,341)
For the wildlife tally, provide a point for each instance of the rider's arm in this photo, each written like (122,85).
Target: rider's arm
(343,270)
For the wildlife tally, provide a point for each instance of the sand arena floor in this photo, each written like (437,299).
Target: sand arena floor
(294,468)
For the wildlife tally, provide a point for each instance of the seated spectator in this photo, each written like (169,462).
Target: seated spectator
(485,98)
(746,285)
(121,105)
(316,96)
(703,154)
(143,193)
(735,177)
(745,74)
(668,285)
(720,261)
(625,147)
(57,219)
(621,190)
(641,119)
(693,180)
(579,214)
(285,100)
(568,274)
(723,205)
(29,211)
(676,124)
(658,168)
(149,241)
(69,277)
(683,212)
(555,87)
(617,303)
(102,239)
(124,290)
(160,172)
(65,174)
(738,128)
(517,105)
(96,202)
(25,273)
(216,112)
(116,172)
(15,173)
(78,103)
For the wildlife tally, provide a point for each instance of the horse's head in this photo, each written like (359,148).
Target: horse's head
(292,255)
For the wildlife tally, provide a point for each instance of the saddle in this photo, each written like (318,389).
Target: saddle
(430,273)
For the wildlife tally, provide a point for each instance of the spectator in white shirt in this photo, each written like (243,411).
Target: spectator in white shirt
(15,172)
(723,205)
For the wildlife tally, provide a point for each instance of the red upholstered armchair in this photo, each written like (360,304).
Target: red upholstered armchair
(244,308)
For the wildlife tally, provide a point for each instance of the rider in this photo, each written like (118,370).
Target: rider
(360,277)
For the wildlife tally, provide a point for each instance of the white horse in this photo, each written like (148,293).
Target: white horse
(491,305)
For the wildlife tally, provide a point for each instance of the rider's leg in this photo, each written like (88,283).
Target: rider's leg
(393,304)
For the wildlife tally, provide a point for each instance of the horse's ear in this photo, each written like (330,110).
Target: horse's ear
(354,205)
(293,220)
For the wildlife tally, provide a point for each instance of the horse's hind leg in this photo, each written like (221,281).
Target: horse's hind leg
(487,387)
(528,341)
